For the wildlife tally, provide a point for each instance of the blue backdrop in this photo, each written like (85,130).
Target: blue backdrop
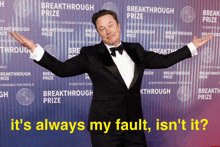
(32,98)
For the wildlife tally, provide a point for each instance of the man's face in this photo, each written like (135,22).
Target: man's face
(108,29)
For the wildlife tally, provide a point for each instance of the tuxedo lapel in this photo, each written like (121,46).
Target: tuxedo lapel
(105,59)
(132,53)
(134,56)
(136,75)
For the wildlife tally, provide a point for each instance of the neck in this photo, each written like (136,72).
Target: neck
(118,44)
(115,45)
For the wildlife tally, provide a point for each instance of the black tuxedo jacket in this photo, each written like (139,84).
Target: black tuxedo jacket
(112,99)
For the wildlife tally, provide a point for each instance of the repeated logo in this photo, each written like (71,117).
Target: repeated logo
(25,96)
(188,14)
(110,6)
(184,93)
(22,8)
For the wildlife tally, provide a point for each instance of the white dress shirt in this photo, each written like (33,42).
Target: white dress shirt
(124,64)
(123,61)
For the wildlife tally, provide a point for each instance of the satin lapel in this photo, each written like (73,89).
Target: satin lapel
(136,75)
(134,56)
(108,64)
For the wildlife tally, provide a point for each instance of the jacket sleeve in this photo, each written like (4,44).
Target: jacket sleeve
(154,60)
(72,67)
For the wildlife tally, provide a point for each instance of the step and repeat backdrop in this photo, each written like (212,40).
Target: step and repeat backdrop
(180,103)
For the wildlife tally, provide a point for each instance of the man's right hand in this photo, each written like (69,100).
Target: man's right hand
(24,41)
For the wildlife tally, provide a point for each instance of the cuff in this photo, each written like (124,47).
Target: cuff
(38,53)
(192,49)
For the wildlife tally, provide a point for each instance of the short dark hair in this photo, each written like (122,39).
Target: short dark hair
(102,13)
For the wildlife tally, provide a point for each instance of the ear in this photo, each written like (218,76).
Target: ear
(119,26)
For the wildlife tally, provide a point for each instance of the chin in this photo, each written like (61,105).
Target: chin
(111,42)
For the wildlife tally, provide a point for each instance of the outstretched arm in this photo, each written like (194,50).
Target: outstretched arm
(153,60)
(71,67)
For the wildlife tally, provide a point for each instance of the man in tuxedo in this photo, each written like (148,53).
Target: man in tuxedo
(116,70)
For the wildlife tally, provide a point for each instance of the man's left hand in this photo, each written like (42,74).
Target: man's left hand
(200,42)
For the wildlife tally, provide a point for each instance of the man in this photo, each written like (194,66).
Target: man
(116,74)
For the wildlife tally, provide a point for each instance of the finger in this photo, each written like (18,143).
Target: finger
(21,37)
(12,33)
(207,38)
(210,36)
(194,38)
(14,36)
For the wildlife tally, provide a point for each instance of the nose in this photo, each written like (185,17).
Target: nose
(108,31)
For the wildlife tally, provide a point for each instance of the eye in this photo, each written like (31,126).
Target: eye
(101,29)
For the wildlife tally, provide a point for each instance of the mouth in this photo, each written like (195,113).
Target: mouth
(110,37)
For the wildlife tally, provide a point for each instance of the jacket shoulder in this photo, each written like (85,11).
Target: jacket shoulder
(90,49)
(135,45)
(132,44)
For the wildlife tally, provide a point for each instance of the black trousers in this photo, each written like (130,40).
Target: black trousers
(127,139)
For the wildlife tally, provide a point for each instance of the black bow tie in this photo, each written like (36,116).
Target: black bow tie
(119,49)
